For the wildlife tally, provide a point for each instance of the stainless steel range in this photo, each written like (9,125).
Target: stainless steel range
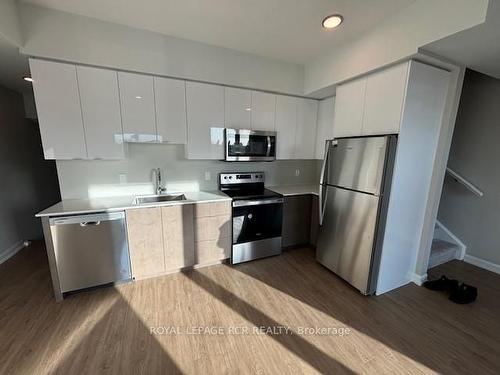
(257,216)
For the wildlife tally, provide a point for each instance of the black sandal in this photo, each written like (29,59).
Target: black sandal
(442,284)
(463,294)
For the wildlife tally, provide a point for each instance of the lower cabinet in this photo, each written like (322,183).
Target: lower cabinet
(212,232)
(145,240)
(297,220)
(166,239)
(314,219)
(178,238)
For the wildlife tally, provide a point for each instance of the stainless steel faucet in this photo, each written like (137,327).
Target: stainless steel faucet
(158,182)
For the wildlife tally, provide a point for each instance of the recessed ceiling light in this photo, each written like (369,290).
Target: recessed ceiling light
(138,97)
(333,21)
(28,79)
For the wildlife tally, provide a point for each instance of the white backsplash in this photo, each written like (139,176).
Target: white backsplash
(99,178)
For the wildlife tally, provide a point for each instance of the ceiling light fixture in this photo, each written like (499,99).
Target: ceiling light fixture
(332,21)
(28,79)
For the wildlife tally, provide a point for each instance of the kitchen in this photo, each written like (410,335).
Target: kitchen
(212,197)
(234,125)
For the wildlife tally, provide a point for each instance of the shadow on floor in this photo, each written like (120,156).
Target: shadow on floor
(321,361)
(88,333)
(418,323)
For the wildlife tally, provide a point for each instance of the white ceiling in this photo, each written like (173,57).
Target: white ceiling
(288,30)
(478,48)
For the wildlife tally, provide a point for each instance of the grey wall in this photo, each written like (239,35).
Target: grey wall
(475,154)
(84,178)
(29,183)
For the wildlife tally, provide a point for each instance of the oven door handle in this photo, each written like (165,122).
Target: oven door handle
(244,203)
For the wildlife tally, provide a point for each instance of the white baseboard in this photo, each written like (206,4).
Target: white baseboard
(418,279)
(10,251)
(487,265)
(457,240)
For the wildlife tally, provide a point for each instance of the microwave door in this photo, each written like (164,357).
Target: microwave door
(248,145)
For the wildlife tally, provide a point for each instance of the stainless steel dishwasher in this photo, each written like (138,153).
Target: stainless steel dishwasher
(90,250)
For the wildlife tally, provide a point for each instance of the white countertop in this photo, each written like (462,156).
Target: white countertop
(112,204)
(289,190)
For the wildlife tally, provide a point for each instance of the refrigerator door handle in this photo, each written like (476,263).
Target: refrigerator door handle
(325,160)
(321,201)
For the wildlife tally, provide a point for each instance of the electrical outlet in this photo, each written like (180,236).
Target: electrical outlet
(208,177)
(297,172)
(123,178)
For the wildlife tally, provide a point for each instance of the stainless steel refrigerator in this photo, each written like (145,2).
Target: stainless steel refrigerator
(353,199)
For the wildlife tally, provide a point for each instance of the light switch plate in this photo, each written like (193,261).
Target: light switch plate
(297,172)
(123,178)
(208,177)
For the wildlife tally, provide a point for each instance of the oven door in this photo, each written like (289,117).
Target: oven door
(250,145)
(255,220)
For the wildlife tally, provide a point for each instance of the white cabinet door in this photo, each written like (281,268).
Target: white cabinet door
(101,112)
(305,134)
(325,125)
(349,107)
(59,113)
(286,123)
(170,100)
(238,107)
(138,107)
(205,118)
(263,111)
(385,93)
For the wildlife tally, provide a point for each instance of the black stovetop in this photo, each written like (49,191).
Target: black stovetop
(249,191)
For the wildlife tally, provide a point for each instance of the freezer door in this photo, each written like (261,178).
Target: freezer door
(357,163)
(346,238)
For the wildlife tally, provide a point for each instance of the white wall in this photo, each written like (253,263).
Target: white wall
(396,39)
(9,22)
(64,36)
(94,178)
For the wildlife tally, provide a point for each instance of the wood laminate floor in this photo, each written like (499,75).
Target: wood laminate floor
(410,330)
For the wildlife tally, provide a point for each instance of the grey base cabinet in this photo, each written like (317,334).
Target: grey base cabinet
(297,221)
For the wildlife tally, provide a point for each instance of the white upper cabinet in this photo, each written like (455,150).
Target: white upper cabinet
(349,107)
(286,123)
(205,118)
(305,133)
(238,108)
(138,107)
(326,108)
(170,103)
(385,93)
(263,113)
(100,104)
(59,113)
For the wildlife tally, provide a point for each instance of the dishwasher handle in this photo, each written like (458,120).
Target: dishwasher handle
(88,219)
(87,223)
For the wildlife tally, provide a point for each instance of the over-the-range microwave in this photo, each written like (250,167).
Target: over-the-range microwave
(250,145)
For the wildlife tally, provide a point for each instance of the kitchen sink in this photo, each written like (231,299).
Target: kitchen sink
(158,198)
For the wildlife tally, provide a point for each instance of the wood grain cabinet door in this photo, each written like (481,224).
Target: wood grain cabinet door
(212,232)
(145,239)
(178,236)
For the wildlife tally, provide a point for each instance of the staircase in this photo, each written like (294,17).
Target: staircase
(445,246)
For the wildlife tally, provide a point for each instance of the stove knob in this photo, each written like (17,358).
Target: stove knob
(230,177)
